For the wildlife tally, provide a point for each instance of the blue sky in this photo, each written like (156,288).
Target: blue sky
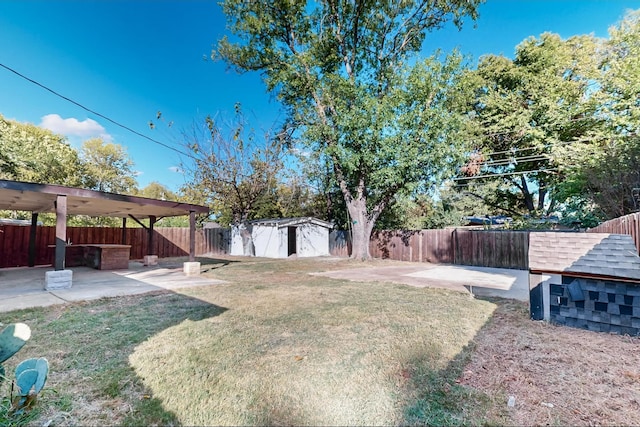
(130,59)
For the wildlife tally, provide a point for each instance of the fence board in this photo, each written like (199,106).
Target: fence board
(340,243)
(627,224)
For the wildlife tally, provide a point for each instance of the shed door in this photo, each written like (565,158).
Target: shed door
(291,238)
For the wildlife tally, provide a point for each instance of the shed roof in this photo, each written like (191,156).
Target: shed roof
(32,197)
(292,222)
(599,255)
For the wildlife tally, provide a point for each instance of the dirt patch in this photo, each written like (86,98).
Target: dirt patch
(557,375)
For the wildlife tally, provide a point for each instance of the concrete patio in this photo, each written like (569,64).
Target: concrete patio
(478,281)
(24,287)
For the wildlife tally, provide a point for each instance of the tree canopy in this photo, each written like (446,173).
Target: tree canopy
(107,167)
(231,168)
(601,169)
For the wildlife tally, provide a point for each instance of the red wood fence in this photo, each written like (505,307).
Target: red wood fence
(628,224)
(168,242)
(485,248)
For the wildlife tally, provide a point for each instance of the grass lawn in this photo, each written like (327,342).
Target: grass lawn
(273,345)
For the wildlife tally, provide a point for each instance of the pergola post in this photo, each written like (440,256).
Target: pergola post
(61,232)
(124,231)
(192,236)
(192,268)
(59,278)
(32,239)
(152,221)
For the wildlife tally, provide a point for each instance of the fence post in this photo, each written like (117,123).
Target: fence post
(454,246)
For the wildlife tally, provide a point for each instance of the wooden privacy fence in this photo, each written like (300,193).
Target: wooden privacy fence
(168,242)
(492,248)
(627,224)
(484,248)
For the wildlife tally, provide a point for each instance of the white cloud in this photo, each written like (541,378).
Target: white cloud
(299,152)
(176,169)
(73,127)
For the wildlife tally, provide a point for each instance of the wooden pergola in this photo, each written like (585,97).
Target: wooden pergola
(64,201)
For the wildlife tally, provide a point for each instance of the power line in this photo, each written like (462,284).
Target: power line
(514,150)
(510,160)
(504,174)
(533,147)
(155,141)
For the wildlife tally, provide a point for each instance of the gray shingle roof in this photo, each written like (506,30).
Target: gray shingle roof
(598,254)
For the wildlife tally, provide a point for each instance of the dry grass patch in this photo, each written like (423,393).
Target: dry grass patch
(299,349)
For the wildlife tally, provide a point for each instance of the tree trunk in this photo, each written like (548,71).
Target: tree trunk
(248,248)
(528,197)
(542,195)
(361,226)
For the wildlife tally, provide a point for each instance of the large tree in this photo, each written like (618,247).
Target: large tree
(107,167)
(30,153)
(155,190)
(355,90)
(524,110)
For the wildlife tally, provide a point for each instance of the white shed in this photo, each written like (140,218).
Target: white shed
(283,237)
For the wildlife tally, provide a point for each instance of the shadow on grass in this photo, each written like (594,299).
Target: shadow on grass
(88,345)
(441,399)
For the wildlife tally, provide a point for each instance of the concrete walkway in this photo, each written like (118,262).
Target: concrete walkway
(24,287)
(480,281)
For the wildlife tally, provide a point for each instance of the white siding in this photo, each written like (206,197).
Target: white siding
(312,240)
(283,248)
(266,240)
(236,241)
